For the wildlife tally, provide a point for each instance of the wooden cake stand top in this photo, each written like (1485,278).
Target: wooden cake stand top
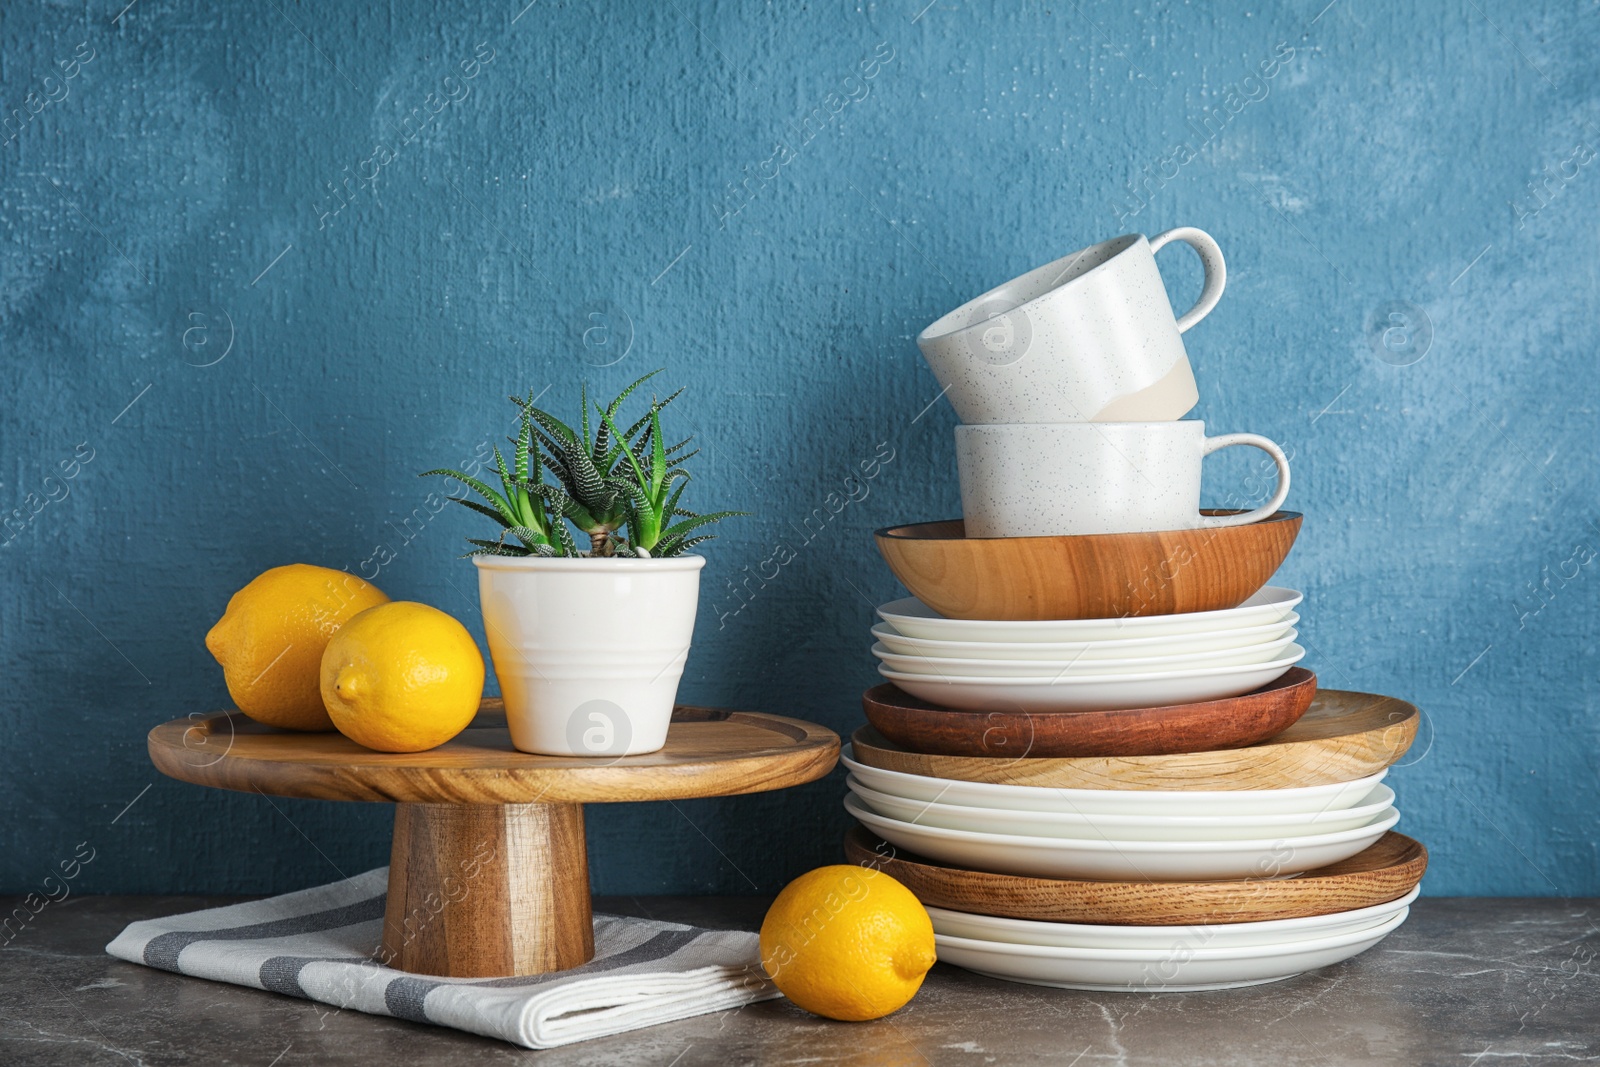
(489,870)
(709,752)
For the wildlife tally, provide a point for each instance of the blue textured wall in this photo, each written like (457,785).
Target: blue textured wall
(263,263)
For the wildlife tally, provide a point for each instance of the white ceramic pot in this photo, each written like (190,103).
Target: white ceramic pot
(589,651)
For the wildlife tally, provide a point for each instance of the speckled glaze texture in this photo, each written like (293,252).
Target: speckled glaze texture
(1036,480)
(1089,333)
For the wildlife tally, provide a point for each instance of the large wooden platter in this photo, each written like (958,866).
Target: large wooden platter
(709,752)
(1386,871)
(488,871)
(1344,736)
(1232,722)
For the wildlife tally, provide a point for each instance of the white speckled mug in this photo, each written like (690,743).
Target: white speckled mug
(1095,477)
(1090,337)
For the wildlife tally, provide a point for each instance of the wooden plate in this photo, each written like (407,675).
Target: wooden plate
(1095,576)
(1343,736)
(1386,871)
(918,726)
(709,752)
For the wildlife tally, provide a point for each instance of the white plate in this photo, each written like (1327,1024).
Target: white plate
(1098,692)
(1075,666)
(1214,936)
(1122,827)
(1124,861)
(913,618)
(1117,648)
(1158,970)
(1113,801)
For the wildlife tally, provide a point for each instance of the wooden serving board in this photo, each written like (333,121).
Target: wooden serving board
(1388,870)
(489,872)
(1344,736)
(918,726)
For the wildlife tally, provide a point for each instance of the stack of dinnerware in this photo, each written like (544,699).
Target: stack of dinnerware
(1187,870)
(1157,958)
(969,844)
(1122,835)
(1087,664)
(1096,760)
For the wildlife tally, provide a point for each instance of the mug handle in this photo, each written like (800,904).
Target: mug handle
(1270,447)
(1210,259)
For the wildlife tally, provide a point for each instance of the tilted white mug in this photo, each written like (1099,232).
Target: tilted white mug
(1038,480)
(1090,337)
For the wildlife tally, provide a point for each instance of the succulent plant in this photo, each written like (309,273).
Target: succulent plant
(650,499)
(584,464)
(607,480)
(523,505)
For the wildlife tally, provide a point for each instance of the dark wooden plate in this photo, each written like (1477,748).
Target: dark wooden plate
(1344,736)
(1208,726)
(1388,870)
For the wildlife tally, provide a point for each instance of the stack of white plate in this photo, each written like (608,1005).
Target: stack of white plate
(1087,664)
(1166,959)
(1122,835)
(1134,835)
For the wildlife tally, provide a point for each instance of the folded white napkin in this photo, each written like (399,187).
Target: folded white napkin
(319,944)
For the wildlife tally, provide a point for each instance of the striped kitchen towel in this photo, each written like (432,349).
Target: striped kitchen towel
(319,944)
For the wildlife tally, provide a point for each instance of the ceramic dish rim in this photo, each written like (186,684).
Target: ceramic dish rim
(1377,931)
(1196,821)
(847,757)
(1289,622)
(1380,825)
(1101,679)
(1294,598)
(1375,911)
(880,650)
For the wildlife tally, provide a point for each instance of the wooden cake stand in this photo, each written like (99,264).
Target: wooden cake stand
(489,873)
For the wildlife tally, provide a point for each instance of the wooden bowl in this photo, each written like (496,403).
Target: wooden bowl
(1098,576)
(1209,725)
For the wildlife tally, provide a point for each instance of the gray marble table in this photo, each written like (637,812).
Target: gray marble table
(1467,982)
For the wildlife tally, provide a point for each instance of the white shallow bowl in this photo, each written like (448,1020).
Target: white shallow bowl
(1157,970)
(1123,827)
(1311,798)
(913,618)
(1213,936)
(1097,692)
(1117,648)
(1073,666)
(1122,860)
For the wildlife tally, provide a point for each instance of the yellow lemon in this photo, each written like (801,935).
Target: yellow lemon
(270,640)
(847,942)
(402,677)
